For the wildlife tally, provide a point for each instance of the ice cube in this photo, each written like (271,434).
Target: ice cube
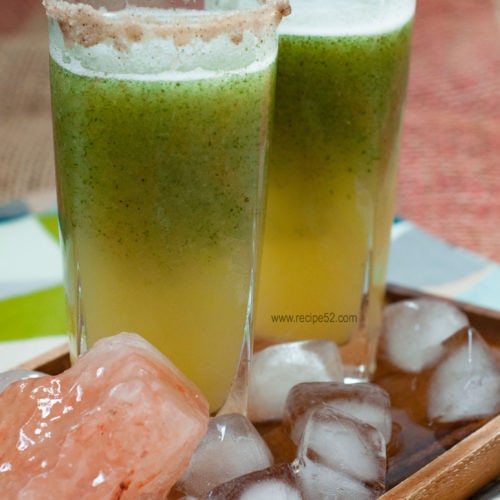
(232,447)
(318,482)
(335,445)
(415,329)
(466,382)
(368,403)
(6,378)
(276,369)
(121,422)
(274,483)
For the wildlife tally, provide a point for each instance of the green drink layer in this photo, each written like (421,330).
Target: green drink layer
(193,146)
(338,102)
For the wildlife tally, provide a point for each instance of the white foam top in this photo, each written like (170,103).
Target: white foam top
(346,17)
(159,58)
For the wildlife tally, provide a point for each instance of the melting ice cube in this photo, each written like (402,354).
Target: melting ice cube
(368,403)
(274,483)
(466,382)
(415,329)
(339,454)
(231,447)
(278,368)
(319,482)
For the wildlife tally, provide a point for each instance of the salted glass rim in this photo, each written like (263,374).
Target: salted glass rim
(87,26)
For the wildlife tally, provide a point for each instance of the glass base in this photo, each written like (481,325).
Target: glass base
(356,374)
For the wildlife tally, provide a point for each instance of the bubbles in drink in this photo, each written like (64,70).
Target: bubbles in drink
(276,369)
(414,331)
(231,447)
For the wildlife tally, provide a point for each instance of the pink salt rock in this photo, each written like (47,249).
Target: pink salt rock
(122,422)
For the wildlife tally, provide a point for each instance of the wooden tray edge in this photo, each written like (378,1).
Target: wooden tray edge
(396,292)
(52,362)
(458,472)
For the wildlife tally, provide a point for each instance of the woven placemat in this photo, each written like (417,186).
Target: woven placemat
(449,177)
(450,173)
(26,151)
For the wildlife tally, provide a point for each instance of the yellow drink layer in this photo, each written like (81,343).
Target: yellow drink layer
(195,314)
(308,286)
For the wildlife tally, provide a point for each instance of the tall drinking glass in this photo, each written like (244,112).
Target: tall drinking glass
(342,75)
(161,119)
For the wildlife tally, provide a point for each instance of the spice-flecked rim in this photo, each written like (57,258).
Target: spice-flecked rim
(83,24)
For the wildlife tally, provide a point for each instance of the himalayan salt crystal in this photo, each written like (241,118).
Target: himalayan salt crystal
(121,423)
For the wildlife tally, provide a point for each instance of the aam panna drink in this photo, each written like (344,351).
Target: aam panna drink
(342,74)
(160,148)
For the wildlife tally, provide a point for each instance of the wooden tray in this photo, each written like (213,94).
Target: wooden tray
(472,456)
(464,458)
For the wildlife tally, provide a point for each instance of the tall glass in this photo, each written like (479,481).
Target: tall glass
(161,120)
(342,75)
